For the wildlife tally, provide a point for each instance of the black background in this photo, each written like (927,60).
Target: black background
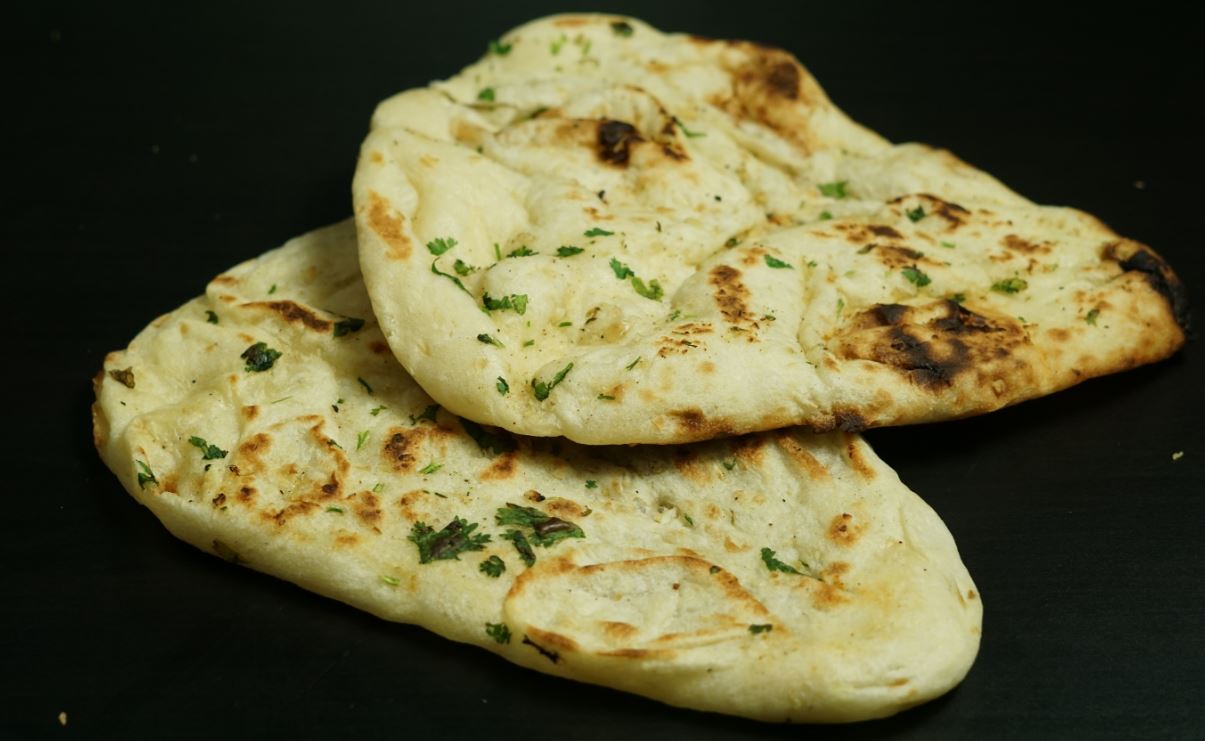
(150,148)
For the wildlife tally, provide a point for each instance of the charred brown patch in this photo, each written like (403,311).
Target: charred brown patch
(226,280)
(246,494)
(368,508)
(687,463)
(896,256)
(378,347)
(853,450)
(330,488)
(782,78)
(771,88)
(400,447)
(1134,257)
(695,425)
(614,142)
(294,313)
(219,500)
(548,637)
(389,226)
(842,530)
(503,467)
(953,214)
(800,456)
(282,517)
(830,590)
(252,447)
(617,630)
(730,293)
(749,449)
(249,412)
(565,508)
(124,376)
(1017,244)
(880,230)
(346,539)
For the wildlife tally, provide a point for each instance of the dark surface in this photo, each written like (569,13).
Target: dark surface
(151,149)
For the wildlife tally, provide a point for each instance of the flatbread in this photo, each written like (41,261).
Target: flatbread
(780,576)
(660,238)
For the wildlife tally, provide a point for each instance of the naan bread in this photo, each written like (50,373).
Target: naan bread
(780,576)
(664,239)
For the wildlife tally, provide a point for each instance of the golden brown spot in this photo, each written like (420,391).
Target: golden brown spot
(123,376)
(378,347)
(246,494)
(853,449)
(293,313)
(617,630)
(254,446)
(503,467)
(897,257)
(800,455)
(368,508)
(170,484)
(732,547)
(730,293)
(1013,242)
(898,682)
(532,495)
(753,255)
(565,508)
(1058,334)
(428,160)
(282,517)
(687,463)
(749,449)
(219,500)
(250,412)
(389,226)
(572,21)
(400,447)
(549,638)
(707,367)
(347,539)
(227,280)
(693,424)
(843,531)
(971,594)
(771,88)
(376,158)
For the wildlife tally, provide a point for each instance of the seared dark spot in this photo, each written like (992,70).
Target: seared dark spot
(1013,242)
(917,358)
(615,141)
(1161,278)
(123,376)
(398,451)
(962,320)
(293,312)
(783,78)
(696,426)
(730,293)
(552,656)
(889,314)
(885,231)
(848,420)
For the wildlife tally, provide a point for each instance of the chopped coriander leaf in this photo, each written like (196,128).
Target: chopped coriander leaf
(455,538)
(348,326)
(335,510)
(208,452)
(542,389)
(211,316)
(498,631)
(1091,317)
(489,340)
(364,384)
(773,564)
(947,245)
(259,357)
(755,629)
(714,570)
(958,298)
(774,262)
(441,245)
(729,463)
(834,189)
(687,132)
(813,263)
(495,442)
(690,521)
(621,271)
(1012,285)
(606,397)
(732,242)
(499,48)
(568,250)
(632,364)
(917,276)
(521,545)
(272,290)
(514,302)
(622,28)
(486,94)
(145,475)
(546,530)
(392,581)
(334,444)
(378,487)
(502,386)
(449,276)
(565,324)
(529,343)
(492,567)
(361,438)
(591,484)
(598,232)
(428,414)
(463,268)
(651,291)
(523,251)
(555,46)
(430,468)
(915,214)
(825,215)
(840,306)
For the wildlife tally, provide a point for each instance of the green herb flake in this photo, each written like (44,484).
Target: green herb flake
(714,570)
(546,530)
(430,468)
(565,324)
(145,475)
(916,276)
(773,564)
(774,262)
(523,251)
(463,268)
(542,389)
(958,298)
(449,276)
(498,631)
(522,546)
(486,94)
(208,452)
(364,383)
(514,302)
(729,463)
(568,250)
(689,520)
(348,326)
(632,364)
(378,487)
(1090,318)
(211,316)
(948,245)
(621,271)
(591,484)
(622,28)
(605,397)
(361,438)
(428,414)
(915,214)
(1011,285)
(826,215)
(272,290)
(755,629)
(732,242)
(557,44)
(376,410)
(335,510)
(440,545)
(492,567)
(489,340)
(259,357)
(652,291)
(441,245)
(834,189)
(529,343)
(497,443)
(392,581)
(687,132)
(500,48)
(502,386)
(598,232)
